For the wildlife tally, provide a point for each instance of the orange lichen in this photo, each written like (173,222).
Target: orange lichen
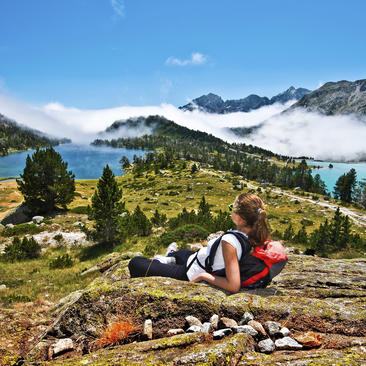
(116,332)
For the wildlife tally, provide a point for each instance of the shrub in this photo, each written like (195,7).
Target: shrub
(22,229)
(151,249)
(276,235)
(21,249)
(62,261)
(82,210)
(306,222)
(309,251)
(183,233)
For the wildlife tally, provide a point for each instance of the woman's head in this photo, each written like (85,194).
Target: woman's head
(251,209)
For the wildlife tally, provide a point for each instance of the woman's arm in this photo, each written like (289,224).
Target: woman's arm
(232,280)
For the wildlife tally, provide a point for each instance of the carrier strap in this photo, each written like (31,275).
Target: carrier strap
(245,246)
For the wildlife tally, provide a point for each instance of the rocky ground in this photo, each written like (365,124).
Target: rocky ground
(323,298)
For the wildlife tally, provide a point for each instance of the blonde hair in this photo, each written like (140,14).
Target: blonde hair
(251,208)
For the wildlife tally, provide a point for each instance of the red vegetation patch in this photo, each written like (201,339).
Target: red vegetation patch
(116,333)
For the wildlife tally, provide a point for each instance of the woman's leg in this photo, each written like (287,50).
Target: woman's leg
(143,267)
(181,256)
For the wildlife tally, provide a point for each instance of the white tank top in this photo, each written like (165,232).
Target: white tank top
(219,262)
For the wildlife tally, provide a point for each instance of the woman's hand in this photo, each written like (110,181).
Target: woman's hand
(204,276)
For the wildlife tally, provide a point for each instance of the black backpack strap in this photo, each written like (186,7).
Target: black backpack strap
(244,242)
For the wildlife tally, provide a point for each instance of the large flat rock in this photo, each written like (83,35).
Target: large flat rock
(312,293)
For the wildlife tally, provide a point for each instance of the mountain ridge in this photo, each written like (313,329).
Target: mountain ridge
(341,97)
(213,103)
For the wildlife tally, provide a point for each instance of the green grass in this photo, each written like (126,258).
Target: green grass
(32,279)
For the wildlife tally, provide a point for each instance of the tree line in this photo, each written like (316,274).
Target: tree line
(14,137)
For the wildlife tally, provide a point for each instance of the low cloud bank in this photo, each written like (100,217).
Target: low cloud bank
(302,133)
(297,133)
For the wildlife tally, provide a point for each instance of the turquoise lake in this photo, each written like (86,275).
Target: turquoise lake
(85,161)
(330,175)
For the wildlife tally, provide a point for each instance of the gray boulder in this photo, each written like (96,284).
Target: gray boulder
(19,215)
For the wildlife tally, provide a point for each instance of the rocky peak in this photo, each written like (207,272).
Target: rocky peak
(213,103)
(209,103)
(342,97)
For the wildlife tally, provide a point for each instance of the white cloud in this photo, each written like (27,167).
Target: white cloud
(297,133)
(196,59)
(118,7)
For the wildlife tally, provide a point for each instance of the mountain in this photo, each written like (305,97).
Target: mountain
(159,131)
(160,126)
(342,97)
(14,136)
(213,103)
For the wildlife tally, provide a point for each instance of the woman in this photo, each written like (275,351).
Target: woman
(250,219)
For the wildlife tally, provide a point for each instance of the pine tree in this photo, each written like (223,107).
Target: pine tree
(158,219)
(320,239)
(45,182)
(335,232)
(289,233)
(106,207)
(345,234)
(142,225)
(301,237)
(125,162)
(204,208)
(345,187)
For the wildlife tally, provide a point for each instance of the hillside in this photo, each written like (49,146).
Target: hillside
(164,132)
(212,103)
(15,137)
(342,97)
(330,305)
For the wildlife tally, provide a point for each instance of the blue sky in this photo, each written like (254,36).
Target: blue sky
(107,53)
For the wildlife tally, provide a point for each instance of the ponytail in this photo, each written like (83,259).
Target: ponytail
(260,231)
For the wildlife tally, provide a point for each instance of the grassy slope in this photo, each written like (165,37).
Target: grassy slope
(30,280)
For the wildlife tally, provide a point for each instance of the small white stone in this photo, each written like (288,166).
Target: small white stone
(206,327)
(62,345)
(214,320)
(287,343)
(247,317)
(285,332)
(172,332)
(37,219)
(218,334)
(272,327)
(192,320)
(266,346)
(148,328)
(3,287)
(245,329)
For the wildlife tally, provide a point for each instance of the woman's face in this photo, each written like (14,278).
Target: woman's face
(236,218)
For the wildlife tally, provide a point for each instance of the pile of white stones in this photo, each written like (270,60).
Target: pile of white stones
(269,336)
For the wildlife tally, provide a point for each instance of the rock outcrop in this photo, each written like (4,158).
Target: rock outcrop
(322,296)
(342,97)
